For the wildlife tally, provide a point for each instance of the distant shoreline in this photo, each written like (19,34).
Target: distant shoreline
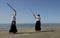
(6,27)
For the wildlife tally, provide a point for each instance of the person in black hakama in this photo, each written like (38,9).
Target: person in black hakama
(38,22)
(13,28)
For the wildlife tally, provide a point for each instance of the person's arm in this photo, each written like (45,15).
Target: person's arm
(14,13)
(34,15)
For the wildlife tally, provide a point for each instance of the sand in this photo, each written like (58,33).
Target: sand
(30,33)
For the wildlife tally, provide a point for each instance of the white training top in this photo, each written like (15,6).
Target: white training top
(37,18)
(14,16)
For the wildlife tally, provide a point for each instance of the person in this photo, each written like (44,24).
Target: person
(38,22)
(13,28)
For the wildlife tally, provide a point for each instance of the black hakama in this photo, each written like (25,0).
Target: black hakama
(38,26)
(13,28)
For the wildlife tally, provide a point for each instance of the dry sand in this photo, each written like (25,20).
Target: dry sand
(44,33)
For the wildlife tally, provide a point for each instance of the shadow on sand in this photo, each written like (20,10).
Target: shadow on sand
(48,31)
(35,32)
(25,32)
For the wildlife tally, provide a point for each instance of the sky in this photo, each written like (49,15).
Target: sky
(48,9)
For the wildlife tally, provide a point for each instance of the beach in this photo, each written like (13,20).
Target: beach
(30,33)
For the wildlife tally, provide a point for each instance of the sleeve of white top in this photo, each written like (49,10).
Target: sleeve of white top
(14,14)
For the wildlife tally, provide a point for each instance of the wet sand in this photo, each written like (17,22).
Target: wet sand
(30,33)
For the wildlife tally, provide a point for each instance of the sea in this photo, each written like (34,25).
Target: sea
(5,27)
